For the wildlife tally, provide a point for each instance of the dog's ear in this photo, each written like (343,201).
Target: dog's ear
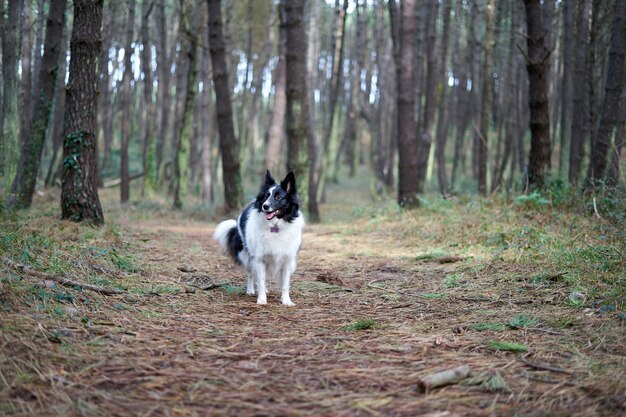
(268,178)
(289,183)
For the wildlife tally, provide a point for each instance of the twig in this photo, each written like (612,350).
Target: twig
(541,366)
(61,280)
(447,377)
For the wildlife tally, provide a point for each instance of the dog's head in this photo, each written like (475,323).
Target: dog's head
(279,201)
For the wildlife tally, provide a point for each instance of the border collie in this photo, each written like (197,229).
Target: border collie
(266,237)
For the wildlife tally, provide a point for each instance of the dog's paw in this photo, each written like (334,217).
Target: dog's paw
(250,292)
(285,300)
(262,299)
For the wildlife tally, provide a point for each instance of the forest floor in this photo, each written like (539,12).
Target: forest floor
(530,298)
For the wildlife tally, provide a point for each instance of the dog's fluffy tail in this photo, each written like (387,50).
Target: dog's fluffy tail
(227,235)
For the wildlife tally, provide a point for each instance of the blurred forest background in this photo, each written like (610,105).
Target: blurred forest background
(196,98)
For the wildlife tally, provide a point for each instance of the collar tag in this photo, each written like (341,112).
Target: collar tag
(274,229)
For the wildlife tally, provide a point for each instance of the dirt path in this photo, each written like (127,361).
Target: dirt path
(371,318)
(368,324)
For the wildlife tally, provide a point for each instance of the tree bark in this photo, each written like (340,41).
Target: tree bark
(26,71)
(610,107)
(580,109)
(79,195)
(229,144)
(538,74)
(25,181)
(485,115)
(442,118)
(127,104)
(333,96)
(408,184)
(432,78)
(190,50)
(566,81)
(149,147)
(9,140)
(276,128)
(297,116)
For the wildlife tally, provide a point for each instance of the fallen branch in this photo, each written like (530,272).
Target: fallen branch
(61,280)
(447,377)
(542,367)
(118,181)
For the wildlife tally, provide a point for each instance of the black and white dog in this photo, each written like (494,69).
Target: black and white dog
(266,237)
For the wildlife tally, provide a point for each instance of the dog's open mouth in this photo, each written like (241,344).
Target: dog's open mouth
(270,215)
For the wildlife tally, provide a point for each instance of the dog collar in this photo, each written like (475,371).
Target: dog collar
(274,229)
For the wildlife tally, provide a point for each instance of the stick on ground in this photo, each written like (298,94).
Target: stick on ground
(61,280)
(447,377)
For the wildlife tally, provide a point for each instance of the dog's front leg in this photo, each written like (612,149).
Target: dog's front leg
(288,268)
(259,268)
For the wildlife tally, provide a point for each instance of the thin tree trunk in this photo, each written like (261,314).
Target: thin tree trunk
(432,78)
(206,131)
(276,128)
(442,118)
(55,131)
(485,115)
(106,97)
(164,93)
(190,49)
(408,183)
(297,116)
(9,140)
(79,196)
(27,74)
(229,144)
(580,110)
(25,181)
(566,80)
(613,90)
(126,104)
(149,147)
(333,95)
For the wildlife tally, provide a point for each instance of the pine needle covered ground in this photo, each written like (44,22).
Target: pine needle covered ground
(531,298)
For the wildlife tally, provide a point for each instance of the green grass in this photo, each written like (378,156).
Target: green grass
(508,346)
(363,324)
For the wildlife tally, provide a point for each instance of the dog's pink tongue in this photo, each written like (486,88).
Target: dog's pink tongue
(270,216)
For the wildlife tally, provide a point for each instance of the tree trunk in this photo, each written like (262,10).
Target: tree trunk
(229,145)
(149,147)
(164,94)
(189,48)
(566,81)
(538,74)
(485,115)
(26,179)
(442,118)
(79,195)
(54,134)
(105,97)
(126,104)
(580,109)
(9,140)
(408,184)
(206,131)
(333,95)
(610,107)
(432,78)
(276,128)
(26,71)
(297,116)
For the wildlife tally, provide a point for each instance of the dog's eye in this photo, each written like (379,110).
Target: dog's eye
(277,197)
